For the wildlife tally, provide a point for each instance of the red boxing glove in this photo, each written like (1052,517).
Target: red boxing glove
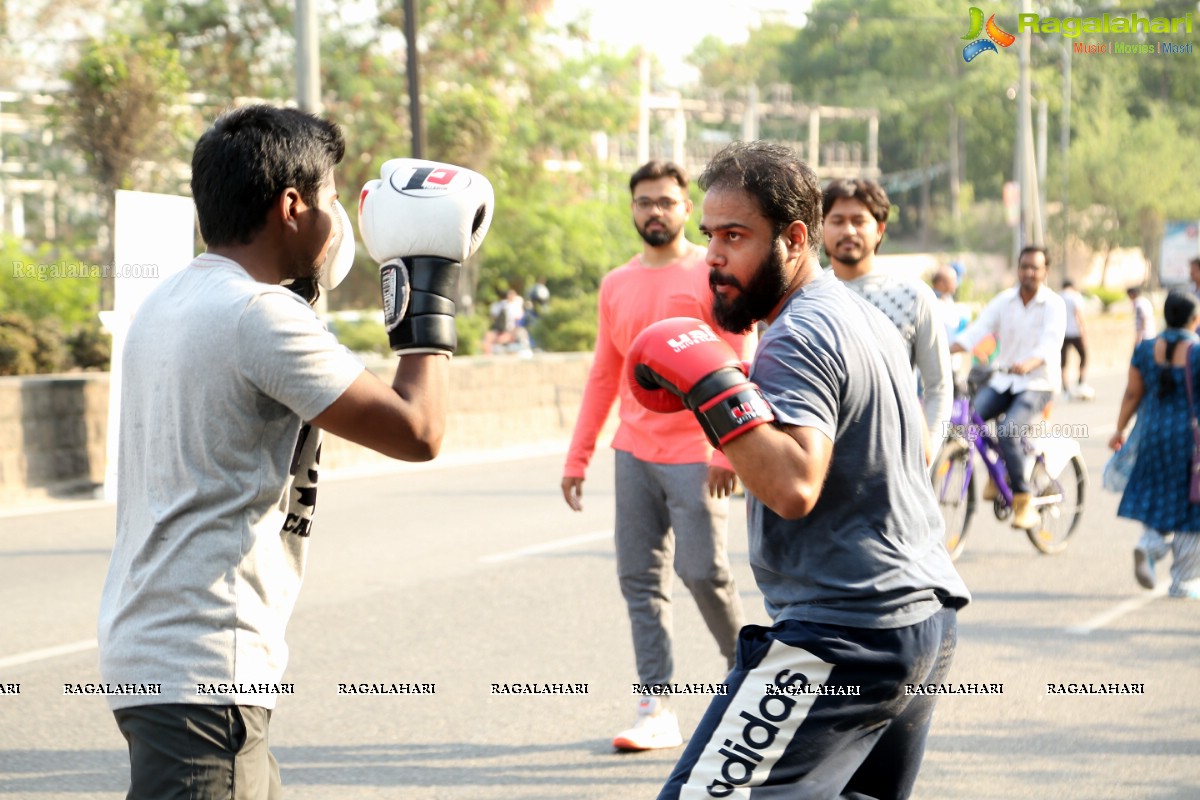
(680,363)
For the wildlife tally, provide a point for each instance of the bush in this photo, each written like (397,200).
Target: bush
(90,347)
(51,354)
(18,346)
(361,335)
(1106,295)
(37,285)
(369,335)
(471,328)
(567,325)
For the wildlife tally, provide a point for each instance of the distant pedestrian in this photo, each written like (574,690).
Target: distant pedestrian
(1075,338)
(1143,316)
(1028,321)
(1157,492)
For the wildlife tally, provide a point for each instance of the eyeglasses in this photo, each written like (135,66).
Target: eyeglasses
(663,204)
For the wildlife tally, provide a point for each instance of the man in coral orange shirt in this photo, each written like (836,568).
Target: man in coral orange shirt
(672,488)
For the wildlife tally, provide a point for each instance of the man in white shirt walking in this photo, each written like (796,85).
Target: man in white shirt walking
(1143,316)
(1029,322)
(1076,337)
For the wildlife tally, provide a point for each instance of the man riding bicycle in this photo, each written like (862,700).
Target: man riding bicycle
(1029,323)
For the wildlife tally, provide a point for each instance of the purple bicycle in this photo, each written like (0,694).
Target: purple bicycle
(1057,479)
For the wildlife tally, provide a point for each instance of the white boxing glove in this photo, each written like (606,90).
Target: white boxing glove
(341,251)
(420,221)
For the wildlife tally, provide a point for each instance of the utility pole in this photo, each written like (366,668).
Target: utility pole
(308,58)
(415,119)
(308,82)
(1022,155)
(1065,148)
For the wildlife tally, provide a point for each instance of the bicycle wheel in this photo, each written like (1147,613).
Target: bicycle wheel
(1061,517)
(954,487)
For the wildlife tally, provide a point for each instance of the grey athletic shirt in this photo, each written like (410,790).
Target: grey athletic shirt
(216,485)
(870,554)
(912,308)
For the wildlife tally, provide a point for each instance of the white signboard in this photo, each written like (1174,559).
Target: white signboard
(154,239)
(1180,244)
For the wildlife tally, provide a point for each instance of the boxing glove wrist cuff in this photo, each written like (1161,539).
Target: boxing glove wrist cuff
(432,332)
(734,412)
(423,351)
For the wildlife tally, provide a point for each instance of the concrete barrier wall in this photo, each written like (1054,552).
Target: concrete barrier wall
(53,432)
(53,429)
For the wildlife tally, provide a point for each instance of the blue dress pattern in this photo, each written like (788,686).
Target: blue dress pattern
(1157,492)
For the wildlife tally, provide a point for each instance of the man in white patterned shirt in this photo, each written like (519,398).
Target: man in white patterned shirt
(856,212)
(1029,322)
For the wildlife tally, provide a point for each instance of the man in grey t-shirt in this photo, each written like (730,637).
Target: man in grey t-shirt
(229,378)
(845,536)
(855,219)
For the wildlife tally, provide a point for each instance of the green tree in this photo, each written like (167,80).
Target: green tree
(499,97)
(119,109)
(759,60)
(1128,173)
(33,285)
(229,48)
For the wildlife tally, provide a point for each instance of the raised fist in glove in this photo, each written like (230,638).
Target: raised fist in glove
(420,221)
(680,363)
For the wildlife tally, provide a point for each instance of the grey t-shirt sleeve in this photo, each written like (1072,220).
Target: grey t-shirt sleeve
(931,355)
(801,380)
(288,354)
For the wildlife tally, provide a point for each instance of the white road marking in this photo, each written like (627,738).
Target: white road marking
(1119,610)
(373,469)
(30,656)
(51,507)
(547,547)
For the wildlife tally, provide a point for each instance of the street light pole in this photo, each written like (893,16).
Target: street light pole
(308,58)
(1065,148)
(414,80)
(1024,139)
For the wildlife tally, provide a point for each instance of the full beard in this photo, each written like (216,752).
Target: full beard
(660,237)
(851,258)
(755,300)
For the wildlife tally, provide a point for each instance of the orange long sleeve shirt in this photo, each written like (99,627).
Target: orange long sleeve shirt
(632,297)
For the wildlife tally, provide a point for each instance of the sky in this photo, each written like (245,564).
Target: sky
(673,28)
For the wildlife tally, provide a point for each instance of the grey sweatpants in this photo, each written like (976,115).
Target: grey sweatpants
(665,520)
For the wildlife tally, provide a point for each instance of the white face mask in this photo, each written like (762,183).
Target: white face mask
(340,257)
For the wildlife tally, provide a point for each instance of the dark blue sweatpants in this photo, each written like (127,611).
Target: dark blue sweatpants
(816,712)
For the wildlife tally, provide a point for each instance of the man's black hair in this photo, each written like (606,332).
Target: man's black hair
(248,157)
(785,188)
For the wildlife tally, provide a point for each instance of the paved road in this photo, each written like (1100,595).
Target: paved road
(467,575)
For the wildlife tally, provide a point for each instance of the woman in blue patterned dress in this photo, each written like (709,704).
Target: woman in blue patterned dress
(1157,492)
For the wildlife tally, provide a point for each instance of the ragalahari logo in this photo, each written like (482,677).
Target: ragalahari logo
(995,36)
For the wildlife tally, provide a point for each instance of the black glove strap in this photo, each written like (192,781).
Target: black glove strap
(433,331)
(429,321)
(745,407)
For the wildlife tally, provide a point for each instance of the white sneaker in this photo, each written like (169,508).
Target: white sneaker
(656,728)
(1084,392)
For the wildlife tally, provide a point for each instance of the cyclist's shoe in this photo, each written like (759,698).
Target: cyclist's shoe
(990,490)
(656,728)
(1143,568)
(1025,516)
